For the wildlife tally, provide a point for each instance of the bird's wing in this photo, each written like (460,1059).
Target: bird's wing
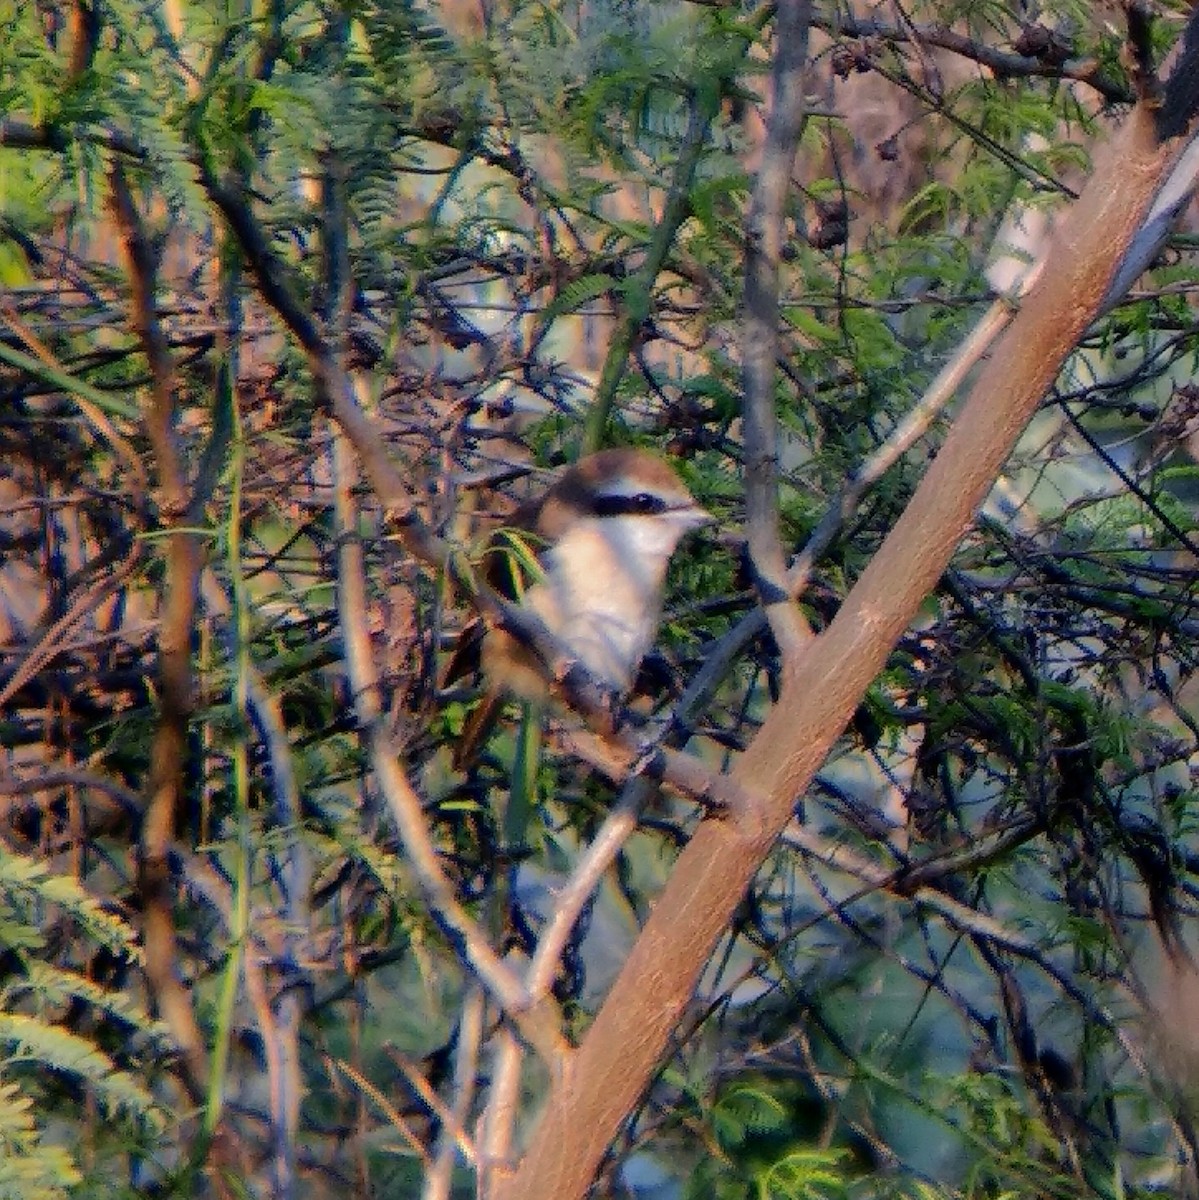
(509,566)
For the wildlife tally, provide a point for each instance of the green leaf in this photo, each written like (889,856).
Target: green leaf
(577,293)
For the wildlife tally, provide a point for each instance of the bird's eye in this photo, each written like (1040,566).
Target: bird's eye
(622,506)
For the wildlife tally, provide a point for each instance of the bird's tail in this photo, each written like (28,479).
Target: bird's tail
(477,730)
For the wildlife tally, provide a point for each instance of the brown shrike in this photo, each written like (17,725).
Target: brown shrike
(604,533)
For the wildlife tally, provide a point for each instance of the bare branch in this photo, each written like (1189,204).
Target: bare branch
(496,1153)
(452,1125)
(759,326)
(720,657)
(916,883)
(385,1106)
(905,435)
(453,1120)
(1004,64)
(280,1033)
(49,644)
(49,780)
(184,562)
(569,901)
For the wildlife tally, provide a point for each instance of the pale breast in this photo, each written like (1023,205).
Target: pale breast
(602,598)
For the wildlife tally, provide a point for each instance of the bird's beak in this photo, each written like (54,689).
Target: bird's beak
(692,517)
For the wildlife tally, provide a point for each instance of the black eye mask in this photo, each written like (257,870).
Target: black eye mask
(640,504)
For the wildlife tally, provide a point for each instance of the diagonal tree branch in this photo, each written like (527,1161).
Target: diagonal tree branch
(1003,64)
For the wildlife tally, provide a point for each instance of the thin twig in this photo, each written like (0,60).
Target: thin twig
(439,1177)
(280,1033)
(570,900)
(420,1085)
(637,304)
(385,1106)
(1003,63)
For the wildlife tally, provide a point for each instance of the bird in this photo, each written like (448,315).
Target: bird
(604,533)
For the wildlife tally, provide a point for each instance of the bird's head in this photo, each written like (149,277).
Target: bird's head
(631,495)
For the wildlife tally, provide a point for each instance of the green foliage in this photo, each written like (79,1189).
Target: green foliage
(576,294)
(758,1154)
(805,1175)
(30,1169)
(36,1047)
(32,1042)
(27,887)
